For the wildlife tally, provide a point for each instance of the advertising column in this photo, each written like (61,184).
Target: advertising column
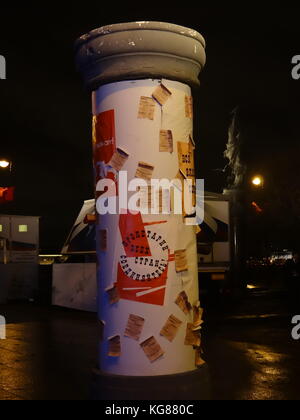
(140,75)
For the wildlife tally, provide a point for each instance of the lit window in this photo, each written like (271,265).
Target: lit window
(23,228)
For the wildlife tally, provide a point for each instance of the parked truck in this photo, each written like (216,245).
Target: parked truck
(214,254)
(214,243)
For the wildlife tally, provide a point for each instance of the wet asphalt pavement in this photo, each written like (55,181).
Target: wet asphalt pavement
(49,352)
(251,353)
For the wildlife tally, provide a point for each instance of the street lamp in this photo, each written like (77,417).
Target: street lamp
(257,181)
(4,164)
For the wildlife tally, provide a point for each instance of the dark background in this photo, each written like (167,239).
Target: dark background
(45,113)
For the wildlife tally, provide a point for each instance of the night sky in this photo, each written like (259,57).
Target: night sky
(45,113)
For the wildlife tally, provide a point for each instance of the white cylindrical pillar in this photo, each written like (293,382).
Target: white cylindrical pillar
(141,76)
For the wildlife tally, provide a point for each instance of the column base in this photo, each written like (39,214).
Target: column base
(187,386)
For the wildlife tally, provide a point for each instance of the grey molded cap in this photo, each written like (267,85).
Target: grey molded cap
(140,50)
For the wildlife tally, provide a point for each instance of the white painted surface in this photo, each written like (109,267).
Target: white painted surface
(140,138)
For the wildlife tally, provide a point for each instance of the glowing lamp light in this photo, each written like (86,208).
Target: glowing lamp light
(4,164)
(257,181)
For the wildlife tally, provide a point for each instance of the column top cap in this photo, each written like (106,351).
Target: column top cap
(136,50)
(140,25)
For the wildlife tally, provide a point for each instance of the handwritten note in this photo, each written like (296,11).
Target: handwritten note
(189,107)
(144,171)
(146,108)
(134,327)
(152,349)
(171,328)
(181,262)
(162,94)
(119,159)
(183,302)
(166,141)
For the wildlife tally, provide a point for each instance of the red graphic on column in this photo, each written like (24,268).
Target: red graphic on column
(104,139)
(143,269)
(7,194)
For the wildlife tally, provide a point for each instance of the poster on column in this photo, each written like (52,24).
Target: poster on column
(104,141)
(187,165)
(143,268)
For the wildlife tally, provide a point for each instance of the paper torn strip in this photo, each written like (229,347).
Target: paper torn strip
(114,349)
(181,262)
(198,313)
(192,338)
(146,108)
(119,159)
(144,171)
(134,327)
(166,141)
(183,302)
(152,349)
(162,94)
(189,107)
(192,141)
(90,219)
(103,240)
(198,328)
(113,295)
(199,361)
(171,328)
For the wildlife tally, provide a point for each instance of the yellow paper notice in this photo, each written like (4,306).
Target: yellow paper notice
(152,349)
(189,107)
(192,338)
(198,313)
(162,94)
(171,328)
(144,171)
(181,262)
(146,108)
(183,302)
(166,141)
(187,167)
(114,349)
(186,159)
(119,159)
(134,327)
